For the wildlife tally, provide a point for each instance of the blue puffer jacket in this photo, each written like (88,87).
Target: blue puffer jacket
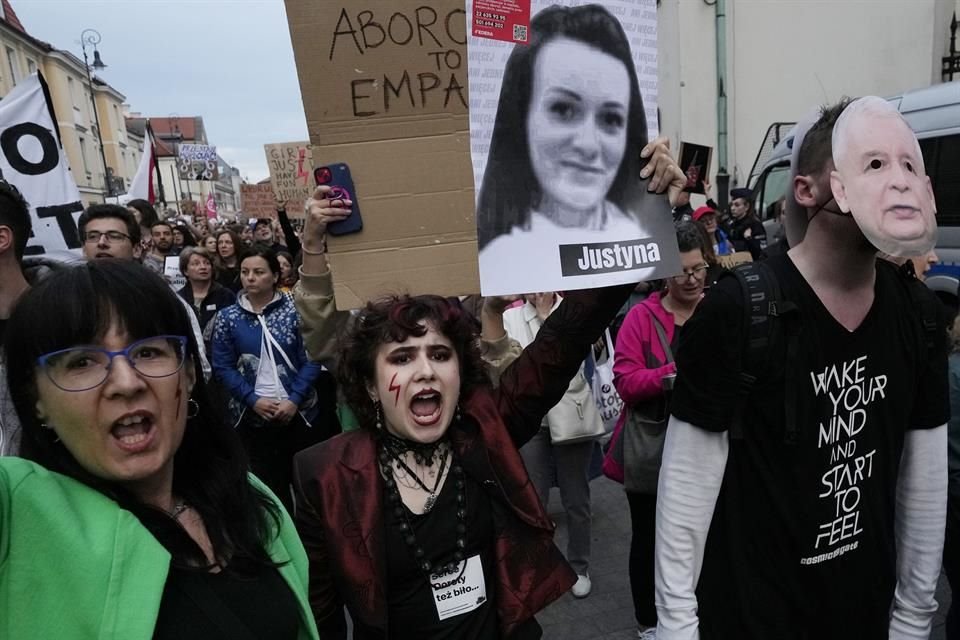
(237,337)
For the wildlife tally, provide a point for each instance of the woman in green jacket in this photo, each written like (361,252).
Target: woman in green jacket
(134,516)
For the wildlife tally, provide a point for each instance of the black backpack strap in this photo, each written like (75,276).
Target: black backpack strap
(755,289)
(928,305)
(765,326)
(924,300)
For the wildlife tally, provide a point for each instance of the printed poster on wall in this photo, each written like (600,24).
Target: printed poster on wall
(557,122)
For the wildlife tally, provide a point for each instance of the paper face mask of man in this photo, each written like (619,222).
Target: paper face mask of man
(881,180)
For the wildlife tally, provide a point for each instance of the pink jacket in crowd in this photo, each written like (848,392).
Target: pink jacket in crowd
(635,378)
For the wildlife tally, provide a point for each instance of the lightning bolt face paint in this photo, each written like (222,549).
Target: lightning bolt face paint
(395,388)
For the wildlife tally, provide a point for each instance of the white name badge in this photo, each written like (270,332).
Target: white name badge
(461,590)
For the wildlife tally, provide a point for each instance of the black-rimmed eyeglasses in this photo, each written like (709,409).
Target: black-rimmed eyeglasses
(93,237)
(697,273)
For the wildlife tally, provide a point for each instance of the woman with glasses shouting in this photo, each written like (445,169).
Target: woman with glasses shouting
(133,508)
(643,375)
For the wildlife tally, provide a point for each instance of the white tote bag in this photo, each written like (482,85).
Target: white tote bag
(605,394)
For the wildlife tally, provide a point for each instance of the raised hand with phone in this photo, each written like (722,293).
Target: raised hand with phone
(321,211)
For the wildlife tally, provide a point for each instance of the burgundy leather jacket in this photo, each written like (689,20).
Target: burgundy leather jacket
(339,487)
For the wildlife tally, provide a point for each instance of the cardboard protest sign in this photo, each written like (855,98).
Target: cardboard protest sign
(32,159)
(880,178)
(197,162)
(256,200)
(695,163)
(556,131)
(384,86)
(188,208)
(291,174)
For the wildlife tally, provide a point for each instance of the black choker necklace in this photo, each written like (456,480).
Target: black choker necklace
(423,452)
(406,529)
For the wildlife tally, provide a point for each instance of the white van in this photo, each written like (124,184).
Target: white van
(934,115)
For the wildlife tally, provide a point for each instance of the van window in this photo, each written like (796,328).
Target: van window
(942,159)
(773,188)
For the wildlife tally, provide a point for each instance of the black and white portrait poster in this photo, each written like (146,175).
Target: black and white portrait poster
(557,123)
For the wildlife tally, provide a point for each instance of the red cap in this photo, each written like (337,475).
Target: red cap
(702,211)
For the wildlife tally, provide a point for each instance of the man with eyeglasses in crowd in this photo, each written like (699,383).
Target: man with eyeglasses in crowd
(111,231)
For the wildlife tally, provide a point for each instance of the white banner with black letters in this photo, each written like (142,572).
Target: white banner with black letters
(563,97)
(32,160)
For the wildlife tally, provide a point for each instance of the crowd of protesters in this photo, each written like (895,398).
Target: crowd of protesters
(171,468)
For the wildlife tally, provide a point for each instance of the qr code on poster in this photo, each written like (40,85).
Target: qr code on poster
(519,33)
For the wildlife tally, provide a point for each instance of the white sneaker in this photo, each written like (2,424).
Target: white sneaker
(582,587)
(649,633)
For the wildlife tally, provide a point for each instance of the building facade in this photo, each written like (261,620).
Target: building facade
(70,91)
(782,59)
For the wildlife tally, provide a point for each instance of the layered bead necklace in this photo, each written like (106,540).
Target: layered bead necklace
(391,450)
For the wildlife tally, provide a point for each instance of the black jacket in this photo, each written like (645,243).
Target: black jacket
(217,298)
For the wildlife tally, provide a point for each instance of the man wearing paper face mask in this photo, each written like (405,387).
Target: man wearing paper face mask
(823,480)
(880,178)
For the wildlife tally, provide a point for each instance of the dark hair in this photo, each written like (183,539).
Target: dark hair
(189,252)
(706,243)
(689,237)
(188,238)
(510,189)
(816,151)
(260,250)
(148,215)
(394,319)
(15,213)
(294,274)
(105,211)
(80,305)
(161,223)
(237,246)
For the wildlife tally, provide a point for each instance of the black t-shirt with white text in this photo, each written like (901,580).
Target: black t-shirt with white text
(801,544)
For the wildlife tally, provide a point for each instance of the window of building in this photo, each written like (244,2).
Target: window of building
(14,66)
(83,155)
(31,67)
(73,92)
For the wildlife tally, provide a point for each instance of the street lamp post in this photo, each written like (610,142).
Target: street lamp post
(91,37)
